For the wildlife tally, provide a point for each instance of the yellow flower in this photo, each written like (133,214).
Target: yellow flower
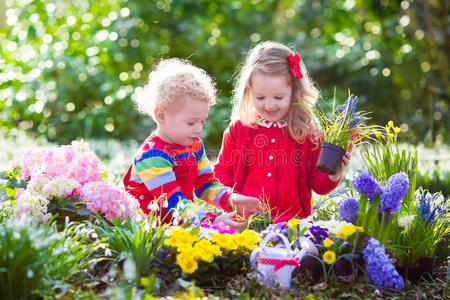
(348,230)
(177,231)
(328,242)
(396,130)
(251,246)
(180,236)
(329,257)
(342,235)
(187,264)
(172,241)
(230,245)
(205,255)
(203,244)
(390,137)
(216,250)
(219,239)
(185,248)
(240,239)
(252,239)
(293,223)
(377,134)
(203,250)
(391,124)
(359,229)
(251,235)
(225,241)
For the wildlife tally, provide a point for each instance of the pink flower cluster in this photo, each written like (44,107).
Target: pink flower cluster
(110,200)
(75,161)
(220,228)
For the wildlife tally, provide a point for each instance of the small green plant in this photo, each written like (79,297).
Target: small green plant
(137,241)
(260,221)
(418,231)
(384,159)
(35,258)
(344,126)
(77,248)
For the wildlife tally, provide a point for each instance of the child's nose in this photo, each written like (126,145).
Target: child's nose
(198,129)
(270,105)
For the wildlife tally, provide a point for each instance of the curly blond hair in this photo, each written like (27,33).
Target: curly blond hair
(271,58)
(168,84)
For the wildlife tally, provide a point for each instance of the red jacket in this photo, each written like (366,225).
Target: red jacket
(266,160)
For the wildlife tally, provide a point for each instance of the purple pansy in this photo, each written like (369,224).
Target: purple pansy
(317,234)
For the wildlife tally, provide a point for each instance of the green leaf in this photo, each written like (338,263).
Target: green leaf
(83,211)
(16,183)
(195,231)
(17,170)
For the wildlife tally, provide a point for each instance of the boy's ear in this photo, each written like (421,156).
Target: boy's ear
(160,115)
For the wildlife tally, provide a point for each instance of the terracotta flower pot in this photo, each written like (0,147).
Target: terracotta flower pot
(330,158)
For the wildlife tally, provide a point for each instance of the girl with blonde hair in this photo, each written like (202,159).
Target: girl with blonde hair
(270,148)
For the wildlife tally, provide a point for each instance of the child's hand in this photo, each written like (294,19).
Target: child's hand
(244,205)
(229,219)
(344,164)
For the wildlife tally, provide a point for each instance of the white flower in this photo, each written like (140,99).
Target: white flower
(206,233)
(406,221)
(32,204)
(332,226)
(305,223)
(154,206)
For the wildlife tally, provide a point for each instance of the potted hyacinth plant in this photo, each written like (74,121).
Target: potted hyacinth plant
(341,128)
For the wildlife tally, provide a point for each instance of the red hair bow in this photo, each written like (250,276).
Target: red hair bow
(294,60)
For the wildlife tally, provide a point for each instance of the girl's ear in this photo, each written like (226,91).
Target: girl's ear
(160,115)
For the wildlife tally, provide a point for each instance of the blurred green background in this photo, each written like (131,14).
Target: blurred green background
(68,69)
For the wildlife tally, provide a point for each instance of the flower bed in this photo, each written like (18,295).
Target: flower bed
(380,238)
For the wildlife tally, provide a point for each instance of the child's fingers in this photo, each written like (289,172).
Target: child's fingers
(350,148)
(256,203)
(252,205)
(345,160)
(233,224)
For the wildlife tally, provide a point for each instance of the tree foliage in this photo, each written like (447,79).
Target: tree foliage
(69,69)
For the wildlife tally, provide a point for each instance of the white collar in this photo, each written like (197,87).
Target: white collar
(266,123)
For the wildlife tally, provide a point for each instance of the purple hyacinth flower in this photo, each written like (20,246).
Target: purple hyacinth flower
(349,105)
(379,267)
(427,212)
(392,194)
(365,183)
(356,121)
(348,210)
